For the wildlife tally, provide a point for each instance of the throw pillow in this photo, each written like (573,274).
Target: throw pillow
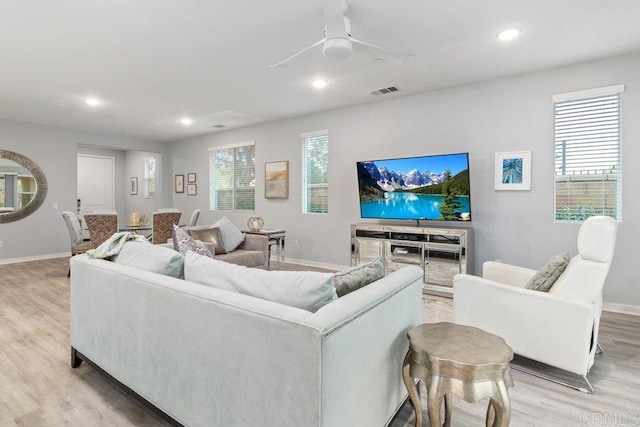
(231,235)
(210,236)
(183,243)
(544,279)
(154,258)
(307,290)
(356,277)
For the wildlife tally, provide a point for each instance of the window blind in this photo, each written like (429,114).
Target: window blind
(232,177)
(587,157)
(315,164)
(149,177)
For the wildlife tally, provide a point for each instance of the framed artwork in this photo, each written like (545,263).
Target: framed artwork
(191,177)
(513,170)
(133,185)
(192,189)
(276,180)
(178,183)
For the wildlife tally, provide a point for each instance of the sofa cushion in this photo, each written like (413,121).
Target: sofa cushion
(356,277)
(210,236)
(183,242)
(154,258)
(544,279)
(307,290)
(231,235)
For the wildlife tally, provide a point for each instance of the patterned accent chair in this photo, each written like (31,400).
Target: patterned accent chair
(162,225)
(101,226)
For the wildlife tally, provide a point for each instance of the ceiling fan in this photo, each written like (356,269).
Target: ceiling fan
(337,41)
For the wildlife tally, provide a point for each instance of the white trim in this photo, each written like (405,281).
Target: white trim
(613,307)
(35,258)
(588,93)
(314,133)
(236,145)
(336,267)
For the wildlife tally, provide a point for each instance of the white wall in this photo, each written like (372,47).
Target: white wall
(54,150)
(482,119)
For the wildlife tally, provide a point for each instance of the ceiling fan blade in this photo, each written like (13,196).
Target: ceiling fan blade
(303,53)
(380,52)
(334,19)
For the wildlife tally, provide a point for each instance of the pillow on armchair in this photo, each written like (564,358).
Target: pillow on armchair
(547,276)
(184,243)
(210,236)
(231,235)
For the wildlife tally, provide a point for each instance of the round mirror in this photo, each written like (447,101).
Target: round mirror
(23,186)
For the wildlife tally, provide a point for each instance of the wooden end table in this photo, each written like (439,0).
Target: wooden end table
(464,360)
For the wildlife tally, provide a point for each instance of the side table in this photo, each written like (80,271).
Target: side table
(136,228)
(458,359)
(276,238)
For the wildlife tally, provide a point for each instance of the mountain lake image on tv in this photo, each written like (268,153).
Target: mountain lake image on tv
(427,187)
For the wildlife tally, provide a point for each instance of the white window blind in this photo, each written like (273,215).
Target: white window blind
(587,150)
(232,177)
(315,177)
(149,177)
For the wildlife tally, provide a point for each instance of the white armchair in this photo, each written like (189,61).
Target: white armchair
(559,327)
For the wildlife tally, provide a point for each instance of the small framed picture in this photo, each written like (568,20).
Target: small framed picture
(179,183)
(191,177)
(133,185)
(192,189)
(513,170)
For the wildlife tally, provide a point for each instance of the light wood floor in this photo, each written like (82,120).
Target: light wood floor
(39,388)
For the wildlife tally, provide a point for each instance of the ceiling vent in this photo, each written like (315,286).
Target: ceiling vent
(384,90)
(218,126)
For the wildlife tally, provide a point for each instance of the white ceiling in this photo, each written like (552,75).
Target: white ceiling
(154,62)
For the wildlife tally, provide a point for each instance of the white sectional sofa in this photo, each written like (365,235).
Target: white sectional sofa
(209,357)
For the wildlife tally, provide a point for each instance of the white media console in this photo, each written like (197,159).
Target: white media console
(442,252)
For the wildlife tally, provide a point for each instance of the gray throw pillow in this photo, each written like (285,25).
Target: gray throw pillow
(183,243)
(231,235)
(355,278)
(210,236)
(547,276)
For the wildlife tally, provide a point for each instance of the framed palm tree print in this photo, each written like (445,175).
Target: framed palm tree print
(513,170)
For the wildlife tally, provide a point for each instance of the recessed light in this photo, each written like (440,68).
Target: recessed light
(319,83)
(186,121)
(509,33)
(93,102)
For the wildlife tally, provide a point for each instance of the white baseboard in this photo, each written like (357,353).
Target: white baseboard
(336,267)
(34,258)
(621,308)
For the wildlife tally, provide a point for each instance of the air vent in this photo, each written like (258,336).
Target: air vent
(218,126)
(384,90)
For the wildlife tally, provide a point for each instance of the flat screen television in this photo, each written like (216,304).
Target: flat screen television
(417,188)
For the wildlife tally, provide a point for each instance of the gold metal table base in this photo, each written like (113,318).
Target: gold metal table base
(461,360)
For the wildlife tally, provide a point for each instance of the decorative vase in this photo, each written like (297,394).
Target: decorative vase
(255,223)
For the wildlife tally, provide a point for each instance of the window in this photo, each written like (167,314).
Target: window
(232,177)
(587,150)
(315,164)
(149,177)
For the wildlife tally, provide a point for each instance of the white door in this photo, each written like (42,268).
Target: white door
(96,187)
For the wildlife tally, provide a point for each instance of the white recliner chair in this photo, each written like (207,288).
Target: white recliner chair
(559,327)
